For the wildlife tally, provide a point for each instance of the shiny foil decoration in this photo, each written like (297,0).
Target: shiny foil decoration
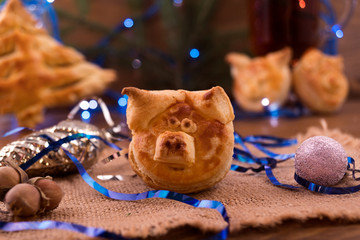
(56,162)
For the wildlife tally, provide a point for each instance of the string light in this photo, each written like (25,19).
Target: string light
(136,63)
(93,104)
(265,102)
(194,53)
(84,105)
(302,3)
(339,33)
(85,115)
(337,30)
(128,23)
(177,3)
(123,101)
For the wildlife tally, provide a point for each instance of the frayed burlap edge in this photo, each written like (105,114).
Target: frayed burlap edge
(250,199)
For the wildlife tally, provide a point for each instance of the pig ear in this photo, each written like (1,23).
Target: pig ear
(280,58)
(213,103)
(237,60)
(144,105)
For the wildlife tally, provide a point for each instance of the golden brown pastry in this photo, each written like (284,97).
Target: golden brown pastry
(182,141)
(319,81)
(261,77)
(36,71)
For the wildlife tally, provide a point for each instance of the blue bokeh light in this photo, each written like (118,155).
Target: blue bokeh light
(335,27)
(177,3)
(337,30)
(122,101)
(136,63)
(339,33)
(194,53)
(85,115)
(93,104)
(128,22)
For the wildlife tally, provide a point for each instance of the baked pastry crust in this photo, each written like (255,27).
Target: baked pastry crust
(319,81)
(261,77)
(36,71)
(182,141)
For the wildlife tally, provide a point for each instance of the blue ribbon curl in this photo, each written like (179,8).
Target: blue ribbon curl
(98,232)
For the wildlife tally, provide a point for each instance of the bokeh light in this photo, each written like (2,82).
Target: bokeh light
(93,104)
(177,3)
(122,101)
(136,63)
(128,22)
(265,102)
(302,3)
(194,53)
(85,115)
(84,105)
(339,33)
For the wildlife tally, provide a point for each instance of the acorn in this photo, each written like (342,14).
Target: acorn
(23,200)
(51,193)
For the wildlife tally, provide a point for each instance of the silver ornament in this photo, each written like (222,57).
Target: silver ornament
(57,162)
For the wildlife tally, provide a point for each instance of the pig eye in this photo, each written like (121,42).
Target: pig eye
(173,122)
(187,125)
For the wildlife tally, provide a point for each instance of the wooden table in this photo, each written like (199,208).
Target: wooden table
(347,119)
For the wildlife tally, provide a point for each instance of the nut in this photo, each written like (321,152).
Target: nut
(51,191)
(23,200)
(9,177)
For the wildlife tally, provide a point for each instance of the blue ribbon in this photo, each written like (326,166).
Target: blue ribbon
(266,163)
(269,141)
(269,163)
(48,224)
(294,111)
(55,145)
(17,130)
(273,180)
(261,142)
(312,186)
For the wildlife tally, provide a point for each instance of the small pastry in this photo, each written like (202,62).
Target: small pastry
(319,81)
(182,141)
(37,72)
(259,78)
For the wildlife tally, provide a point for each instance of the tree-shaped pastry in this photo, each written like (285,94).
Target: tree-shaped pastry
(36,71)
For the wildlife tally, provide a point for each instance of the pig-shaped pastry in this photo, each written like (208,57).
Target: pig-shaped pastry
(182,140)
(265,77)
(320,82)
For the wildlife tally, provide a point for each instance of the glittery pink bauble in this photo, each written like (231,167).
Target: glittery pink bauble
(321,160)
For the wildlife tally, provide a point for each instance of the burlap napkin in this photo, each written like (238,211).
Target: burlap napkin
(250,199)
